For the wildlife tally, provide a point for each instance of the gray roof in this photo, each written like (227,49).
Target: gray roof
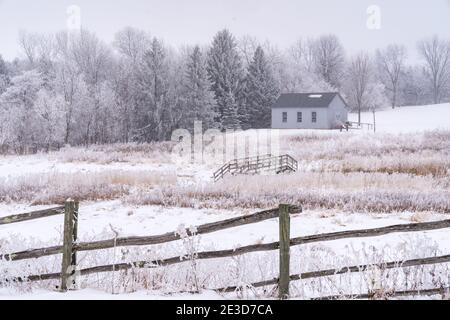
(306,100)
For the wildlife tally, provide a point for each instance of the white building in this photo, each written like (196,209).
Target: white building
(326,110)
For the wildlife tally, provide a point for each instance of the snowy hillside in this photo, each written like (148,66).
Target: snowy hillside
(409,119)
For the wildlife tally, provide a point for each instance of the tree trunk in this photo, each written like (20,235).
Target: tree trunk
(359,115)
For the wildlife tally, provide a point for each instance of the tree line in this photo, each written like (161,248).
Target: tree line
(72,88)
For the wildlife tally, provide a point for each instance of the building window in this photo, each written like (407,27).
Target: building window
(314,117)
(299,117)
(284,116)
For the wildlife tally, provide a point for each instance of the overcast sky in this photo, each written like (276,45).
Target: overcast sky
(196,21)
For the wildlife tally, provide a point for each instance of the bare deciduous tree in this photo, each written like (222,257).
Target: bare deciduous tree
(359,74)
(247,46)
(132,43)
(329,59)
(302,54)
(391,62)
(29,45)
(436,54)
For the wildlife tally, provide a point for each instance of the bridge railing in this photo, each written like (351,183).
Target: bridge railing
(257,163)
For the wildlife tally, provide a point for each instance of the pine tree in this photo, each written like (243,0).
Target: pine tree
(260,91)
(152,84)
(200,103)
(230,118)
(225,73)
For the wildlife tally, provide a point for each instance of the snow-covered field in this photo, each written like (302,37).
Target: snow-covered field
(409,119)
(346,180)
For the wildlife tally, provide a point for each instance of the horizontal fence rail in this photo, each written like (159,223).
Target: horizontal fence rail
(32,215)
(257,217)
(274,281)
(150,240)
(274,246)
(344,270)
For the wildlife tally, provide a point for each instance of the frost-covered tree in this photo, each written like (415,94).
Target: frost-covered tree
(299,69)
(226,75)
(329,59)
(92,60)
(436,54)
(4,75)
(391,64)
(37,48)
(302,53)
(415,89)
(261,91)
(49,110)
(69,84)
(132,43)
(123,82)
(17,104)
(247,46)
(358,79)
(200,103)
(153,86)
(375,99)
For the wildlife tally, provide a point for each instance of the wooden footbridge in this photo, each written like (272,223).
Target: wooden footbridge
(258,164)
(350,125)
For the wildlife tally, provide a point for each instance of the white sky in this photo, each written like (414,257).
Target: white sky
(196,21)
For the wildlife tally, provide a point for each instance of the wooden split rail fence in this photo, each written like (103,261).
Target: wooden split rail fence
(71,246)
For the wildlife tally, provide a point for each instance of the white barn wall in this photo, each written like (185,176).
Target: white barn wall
(322,118)
(337,106)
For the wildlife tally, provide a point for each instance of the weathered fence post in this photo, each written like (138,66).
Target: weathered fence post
(69,256)
(283,285)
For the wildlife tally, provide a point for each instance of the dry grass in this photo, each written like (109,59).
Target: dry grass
(125,152)
(54,188)
(354,192)
(324,145)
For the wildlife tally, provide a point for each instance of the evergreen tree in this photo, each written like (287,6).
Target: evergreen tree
(225,73)
(230,117)
(261,91)
(153,87)
(200,103)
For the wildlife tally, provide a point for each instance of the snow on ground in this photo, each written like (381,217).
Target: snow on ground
(89,294)
(408,119)
(13,166)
